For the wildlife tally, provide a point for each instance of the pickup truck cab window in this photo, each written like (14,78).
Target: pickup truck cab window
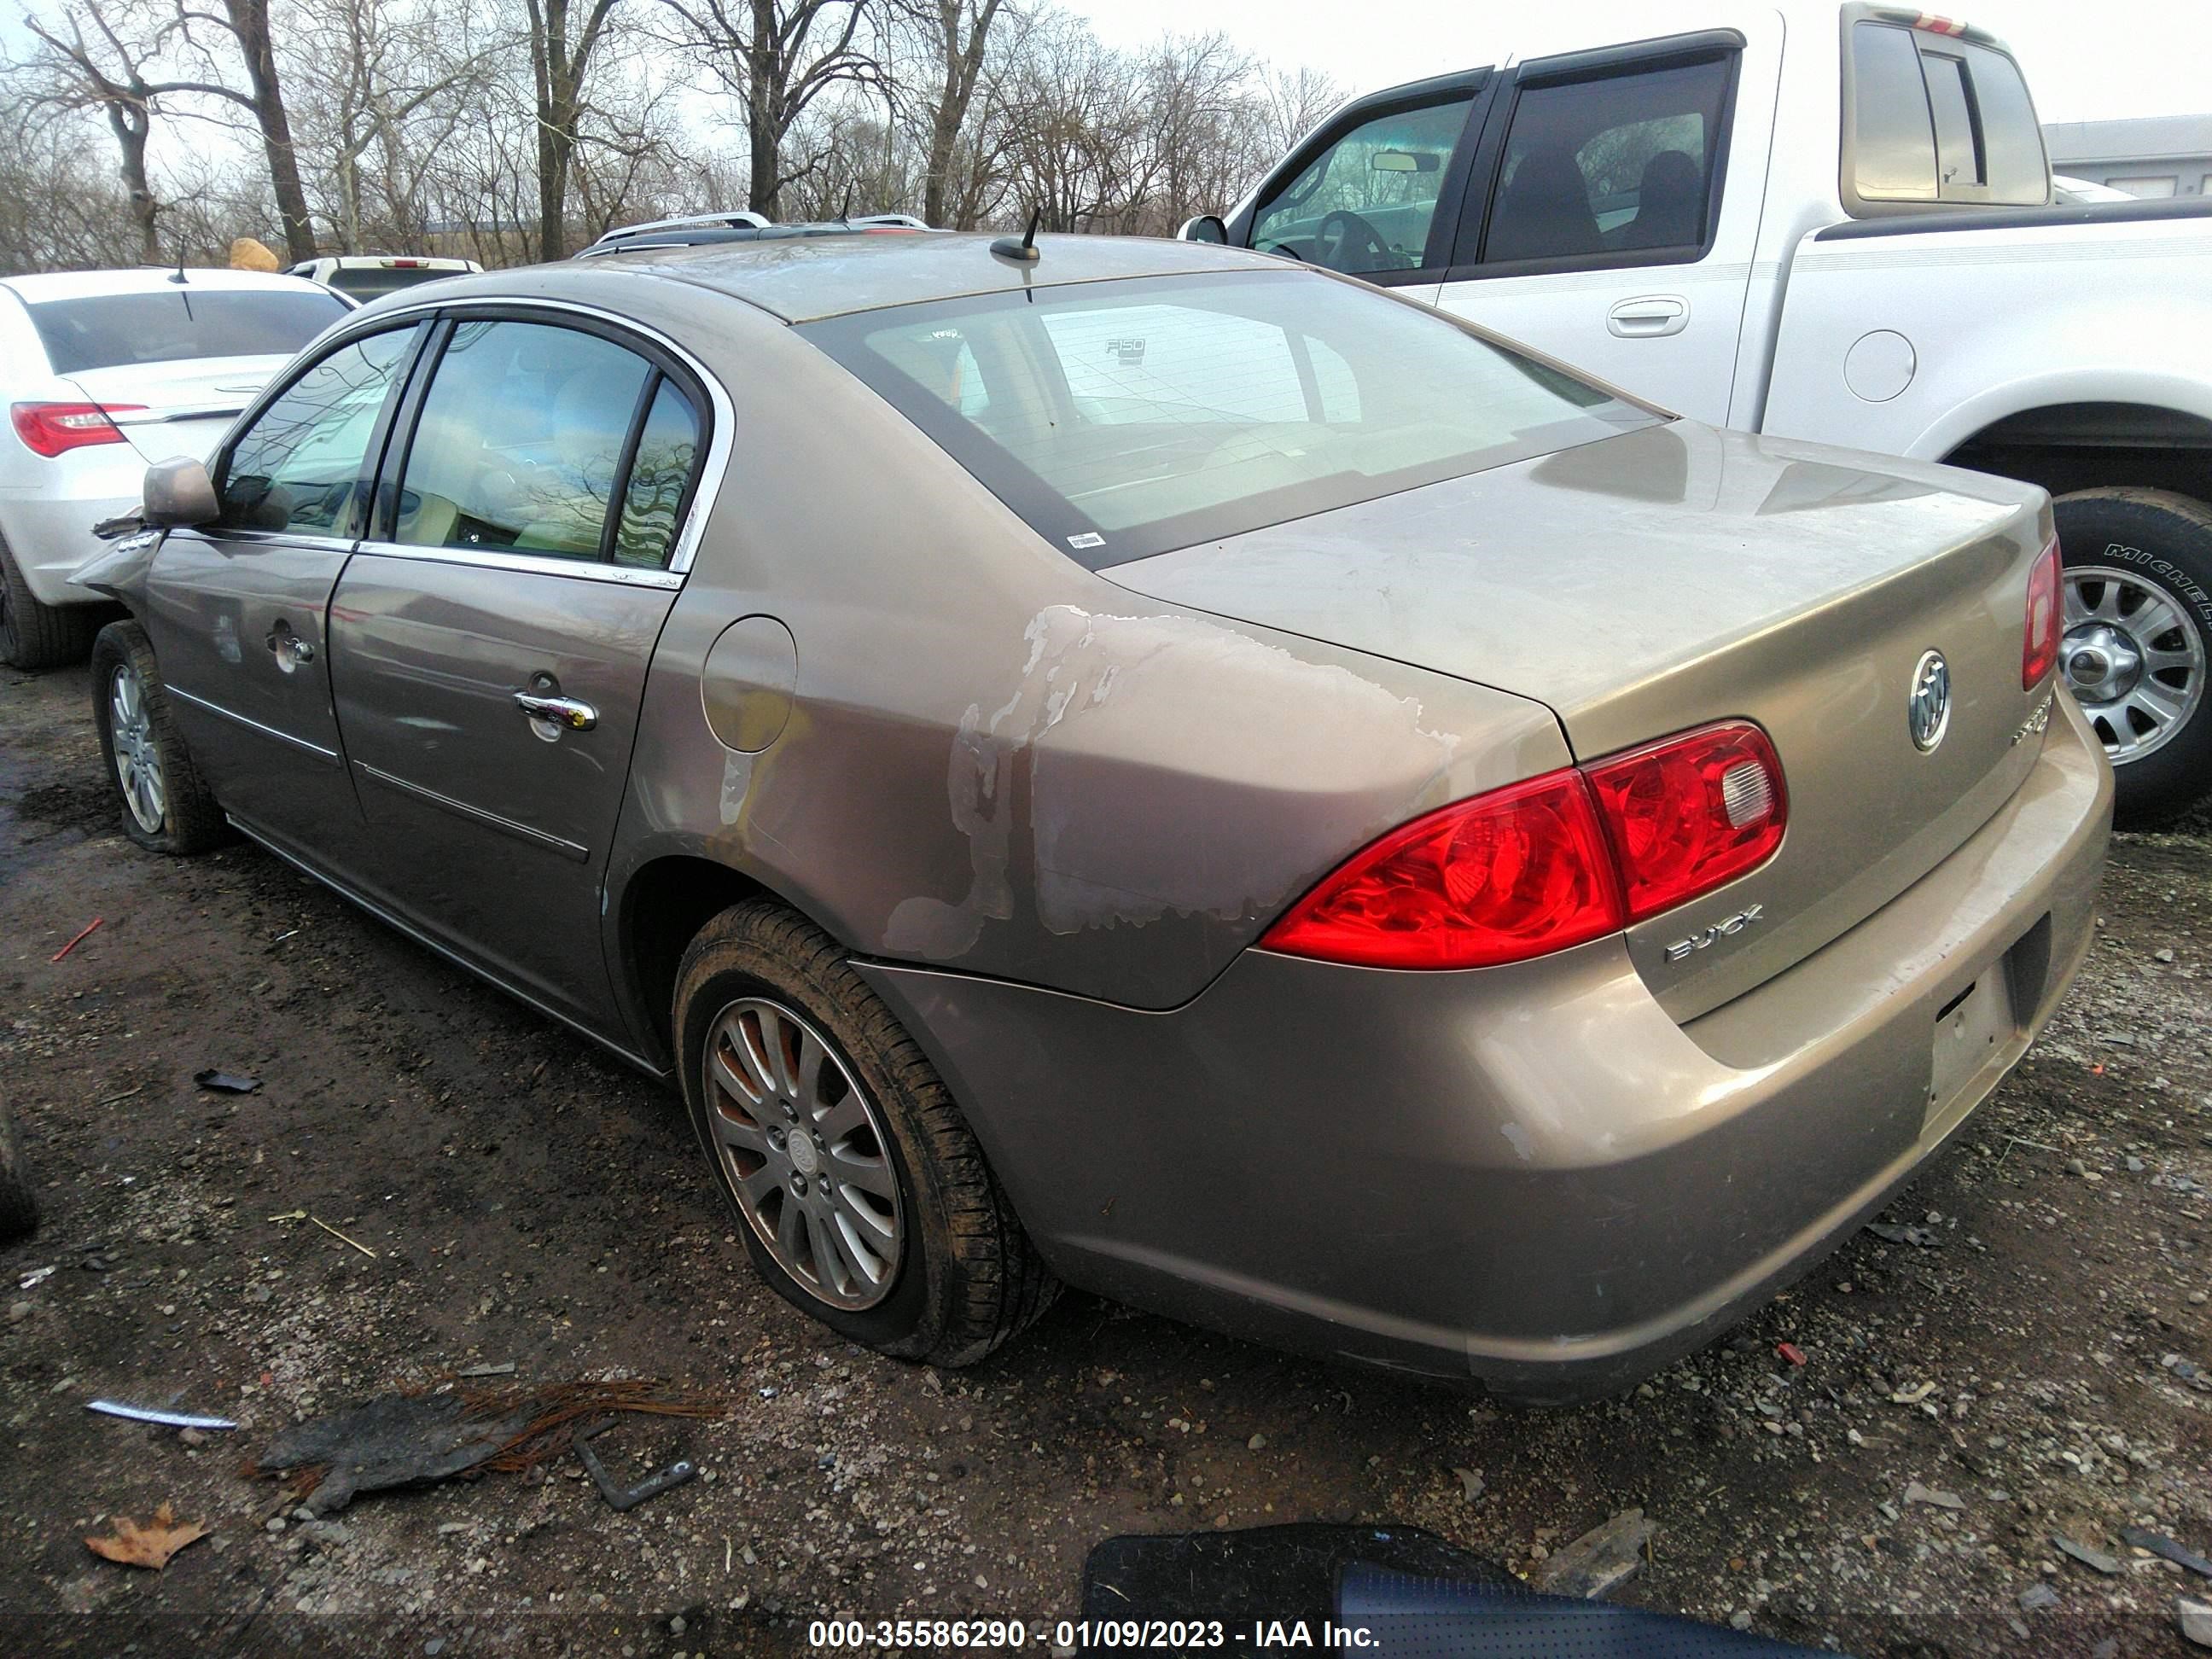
(1934,117)
(1367,202)
(1617,164)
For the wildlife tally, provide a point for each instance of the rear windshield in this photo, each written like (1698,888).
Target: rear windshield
(1128,418)
(366,282)
(103,330)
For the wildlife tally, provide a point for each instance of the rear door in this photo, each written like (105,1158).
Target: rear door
(491,641)
(1598,227)
(1375,193)
(236,610)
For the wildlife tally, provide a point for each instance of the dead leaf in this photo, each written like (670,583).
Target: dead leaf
(150,1545)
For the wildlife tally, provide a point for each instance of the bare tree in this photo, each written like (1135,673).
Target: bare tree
(777,56)
(366,75)
(956,36)
(559,63)
(105,72)
(245,23)
(58,210)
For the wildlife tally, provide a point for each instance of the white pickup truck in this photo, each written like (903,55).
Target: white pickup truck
(1833,223)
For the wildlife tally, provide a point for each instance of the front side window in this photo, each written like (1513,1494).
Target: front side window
(303,465)
(1623,165)
(1122,419)
(522,440)
(1366,203)
(179,322)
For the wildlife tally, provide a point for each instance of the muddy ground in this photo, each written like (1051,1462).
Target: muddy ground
(2027,1354)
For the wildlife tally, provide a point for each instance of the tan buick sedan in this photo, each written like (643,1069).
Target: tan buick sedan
(1146,767)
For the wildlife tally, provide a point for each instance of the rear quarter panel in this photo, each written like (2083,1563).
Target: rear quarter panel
(1996,322)
(993,760)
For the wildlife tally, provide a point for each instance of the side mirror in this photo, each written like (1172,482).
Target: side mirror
(1206,228)
(180,492)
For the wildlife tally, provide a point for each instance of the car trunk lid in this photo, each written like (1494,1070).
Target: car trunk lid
(1678,575)
(184,407)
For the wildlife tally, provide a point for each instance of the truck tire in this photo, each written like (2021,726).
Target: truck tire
(36,636)
(2138,592)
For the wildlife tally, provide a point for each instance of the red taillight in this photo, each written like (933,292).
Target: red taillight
(1557,861)
(1511,874)
(1692,813)
(2039,649)
(49,429)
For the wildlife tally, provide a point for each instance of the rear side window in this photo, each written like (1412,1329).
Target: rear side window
(528,435)
(660,473)
(303,465)
(103,330)
(1937,118)
(1623,165)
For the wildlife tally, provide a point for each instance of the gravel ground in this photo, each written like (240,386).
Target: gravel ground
(2018,1361)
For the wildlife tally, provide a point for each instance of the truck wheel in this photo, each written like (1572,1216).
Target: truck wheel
(2138,625)
(34,635)
(860,1194)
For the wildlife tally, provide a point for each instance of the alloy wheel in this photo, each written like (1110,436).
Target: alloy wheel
(2133,658)
(137,755)
(807,1155)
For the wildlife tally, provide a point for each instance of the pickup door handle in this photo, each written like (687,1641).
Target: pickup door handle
(1649,316)
(567,712)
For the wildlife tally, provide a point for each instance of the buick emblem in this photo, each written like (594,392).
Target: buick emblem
(1928,712)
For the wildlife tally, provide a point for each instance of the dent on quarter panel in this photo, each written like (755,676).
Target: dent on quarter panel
(1104,700)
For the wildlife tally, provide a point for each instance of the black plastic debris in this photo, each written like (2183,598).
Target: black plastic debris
(226,1082)
(408,1439)
(400,1440)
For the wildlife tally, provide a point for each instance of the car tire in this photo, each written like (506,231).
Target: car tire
(33,634)
(19,1210)
(962,1276)
(179,816)
(2159,546)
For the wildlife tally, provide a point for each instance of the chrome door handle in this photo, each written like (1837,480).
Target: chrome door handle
(289,648)
(570,714)
(1649,317)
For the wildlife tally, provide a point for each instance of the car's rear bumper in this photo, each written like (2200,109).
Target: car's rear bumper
(49,525)
(1528,1174)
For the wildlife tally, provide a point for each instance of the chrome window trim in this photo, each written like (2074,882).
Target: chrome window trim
(711,470)
(211,534)
(231,408)
(327,756)
(533,564)
(574,851)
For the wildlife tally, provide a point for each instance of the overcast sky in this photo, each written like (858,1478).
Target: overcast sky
(2084,60)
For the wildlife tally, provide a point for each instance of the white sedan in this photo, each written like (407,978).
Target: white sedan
(102,372)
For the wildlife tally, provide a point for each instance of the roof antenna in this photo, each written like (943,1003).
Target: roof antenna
(1024,251)
(178,274)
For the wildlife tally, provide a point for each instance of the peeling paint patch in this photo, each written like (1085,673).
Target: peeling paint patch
(737,781)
